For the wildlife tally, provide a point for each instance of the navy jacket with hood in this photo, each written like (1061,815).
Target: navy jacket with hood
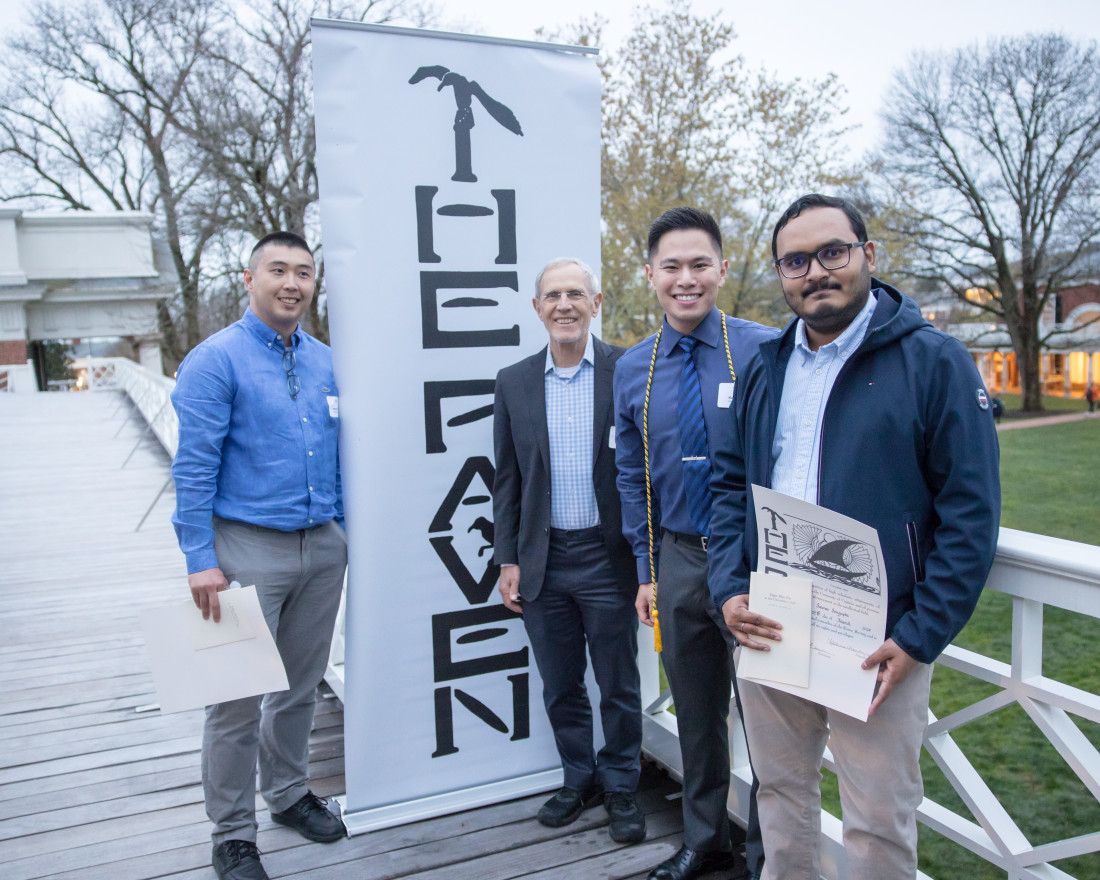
(908,446)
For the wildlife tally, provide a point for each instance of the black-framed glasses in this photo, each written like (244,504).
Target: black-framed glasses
(832,256)
(293,383)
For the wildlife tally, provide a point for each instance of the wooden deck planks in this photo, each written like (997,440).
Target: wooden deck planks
(92,788)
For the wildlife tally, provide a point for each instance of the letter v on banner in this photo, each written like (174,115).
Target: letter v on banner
(489,167)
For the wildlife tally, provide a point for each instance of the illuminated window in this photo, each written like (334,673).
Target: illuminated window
(978,295)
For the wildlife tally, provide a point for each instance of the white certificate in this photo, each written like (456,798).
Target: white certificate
(197,662)
(843,559)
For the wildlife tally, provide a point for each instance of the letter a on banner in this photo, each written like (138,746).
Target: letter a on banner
(452,168)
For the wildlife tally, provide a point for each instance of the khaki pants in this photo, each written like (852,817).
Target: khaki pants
(878,767)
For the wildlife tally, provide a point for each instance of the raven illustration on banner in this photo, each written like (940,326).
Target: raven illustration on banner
(465,90)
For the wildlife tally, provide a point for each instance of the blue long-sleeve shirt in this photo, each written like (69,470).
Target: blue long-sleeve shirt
(670,509)
(248,451)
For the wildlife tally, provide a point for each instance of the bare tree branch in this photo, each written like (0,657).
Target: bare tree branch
(991,158)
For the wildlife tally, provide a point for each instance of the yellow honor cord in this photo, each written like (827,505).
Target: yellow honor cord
(648,478)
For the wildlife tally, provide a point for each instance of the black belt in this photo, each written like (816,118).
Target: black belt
(697,542)
(592,533)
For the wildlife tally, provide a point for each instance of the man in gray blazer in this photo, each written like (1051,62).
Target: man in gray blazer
(565,565)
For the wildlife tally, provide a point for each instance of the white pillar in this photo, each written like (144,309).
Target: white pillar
(1065,374)
(149,356)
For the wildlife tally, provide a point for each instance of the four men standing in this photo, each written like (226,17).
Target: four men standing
(859,406)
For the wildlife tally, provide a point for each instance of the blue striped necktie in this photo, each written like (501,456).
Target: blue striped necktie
(693,441)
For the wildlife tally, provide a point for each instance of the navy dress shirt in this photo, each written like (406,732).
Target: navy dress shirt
(670,509)
(248,451)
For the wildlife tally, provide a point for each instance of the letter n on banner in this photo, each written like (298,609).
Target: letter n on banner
(452,168)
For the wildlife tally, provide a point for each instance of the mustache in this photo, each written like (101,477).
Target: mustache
(815,286)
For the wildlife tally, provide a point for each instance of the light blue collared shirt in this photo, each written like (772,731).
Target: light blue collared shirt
(569,401)
(248,451)
(809,379)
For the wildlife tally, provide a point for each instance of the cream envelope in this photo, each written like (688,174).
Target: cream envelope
(789,601)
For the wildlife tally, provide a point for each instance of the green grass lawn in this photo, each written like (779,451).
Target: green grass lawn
(1050,404)
(1050,479)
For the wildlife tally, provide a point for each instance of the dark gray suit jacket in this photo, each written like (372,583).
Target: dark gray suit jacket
(521,489)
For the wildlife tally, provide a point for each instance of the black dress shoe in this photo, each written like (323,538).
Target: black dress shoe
(311,817)
(238,860)
(627,821)
(567,804)
(688,864)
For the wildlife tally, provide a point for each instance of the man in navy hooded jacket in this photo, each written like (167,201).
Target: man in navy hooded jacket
(864,408)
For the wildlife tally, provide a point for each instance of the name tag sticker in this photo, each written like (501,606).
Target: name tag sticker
(334,406)
(725,394)
(611,438)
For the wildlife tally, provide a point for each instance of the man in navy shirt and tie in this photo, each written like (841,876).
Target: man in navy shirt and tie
(672,392)
(258,502)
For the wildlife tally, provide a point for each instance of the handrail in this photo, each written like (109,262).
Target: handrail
(148,392)
(1034,570)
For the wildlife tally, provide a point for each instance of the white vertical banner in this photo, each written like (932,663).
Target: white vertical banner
(452,168)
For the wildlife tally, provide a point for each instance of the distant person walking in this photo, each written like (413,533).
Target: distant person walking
(1090,396)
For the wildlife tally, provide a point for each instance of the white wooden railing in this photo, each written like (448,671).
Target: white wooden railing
(1034,570)
(148,392)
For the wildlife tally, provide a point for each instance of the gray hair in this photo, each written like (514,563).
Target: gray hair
(589,276)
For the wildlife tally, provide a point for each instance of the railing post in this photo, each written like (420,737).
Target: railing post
(1027,638)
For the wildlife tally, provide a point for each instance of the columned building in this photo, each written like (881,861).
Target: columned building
(78,274)
(1070,359)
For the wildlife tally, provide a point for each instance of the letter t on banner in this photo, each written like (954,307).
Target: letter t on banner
(452,168)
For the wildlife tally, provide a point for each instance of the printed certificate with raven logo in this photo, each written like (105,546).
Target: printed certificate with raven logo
(842,559)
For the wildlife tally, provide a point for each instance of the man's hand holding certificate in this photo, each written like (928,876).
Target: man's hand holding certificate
(790,600)
(818,564)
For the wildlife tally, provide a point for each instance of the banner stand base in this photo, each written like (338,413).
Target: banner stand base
(362,821)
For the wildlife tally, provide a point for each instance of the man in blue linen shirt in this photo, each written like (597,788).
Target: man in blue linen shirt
(863,407)
(558,539)
(685,269)
(258,502)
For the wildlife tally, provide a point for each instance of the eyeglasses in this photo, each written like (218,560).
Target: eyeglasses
(574,296)
(293,383)
(832,256)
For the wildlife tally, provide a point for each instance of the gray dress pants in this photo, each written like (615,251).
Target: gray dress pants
(698,660)
(298,578)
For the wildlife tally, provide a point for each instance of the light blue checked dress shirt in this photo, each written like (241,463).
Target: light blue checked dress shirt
(807,383)
(569,402)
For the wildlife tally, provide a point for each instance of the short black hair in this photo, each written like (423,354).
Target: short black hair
(290,239)
(683,218)
(817,200)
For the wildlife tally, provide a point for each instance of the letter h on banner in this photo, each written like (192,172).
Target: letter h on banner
(431,283)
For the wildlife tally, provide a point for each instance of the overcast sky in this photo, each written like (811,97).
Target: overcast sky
(863,43)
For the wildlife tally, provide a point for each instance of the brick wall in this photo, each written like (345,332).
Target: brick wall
(1072,297)
(13,351)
